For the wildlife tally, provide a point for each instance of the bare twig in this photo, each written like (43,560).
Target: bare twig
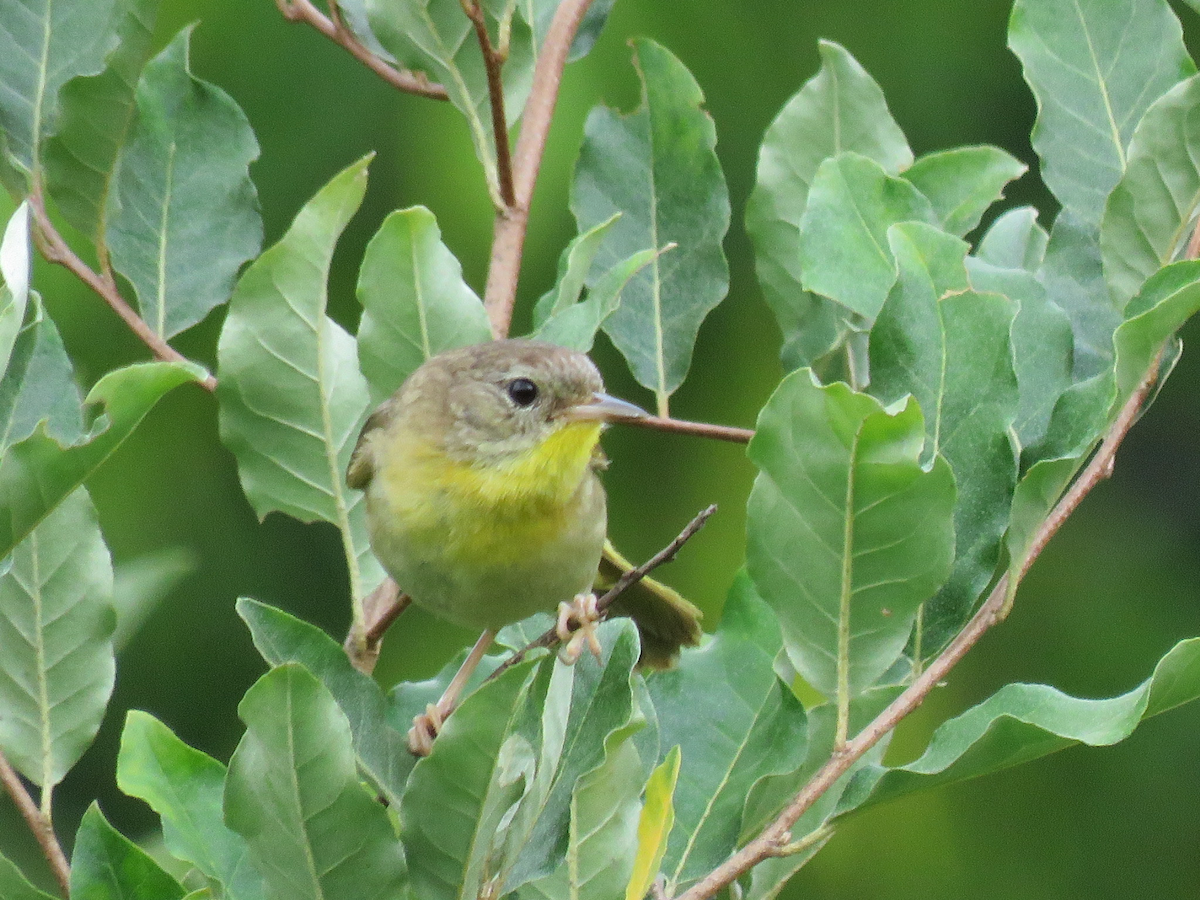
(508,236)
(493,63)
(775,835)
(622,584)
(56,250)
(335,29)
(698,429)
(38,823)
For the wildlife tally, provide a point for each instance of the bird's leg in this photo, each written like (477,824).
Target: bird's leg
(426,726)
(576,626)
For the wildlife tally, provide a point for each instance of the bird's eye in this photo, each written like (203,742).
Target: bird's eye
(522,391)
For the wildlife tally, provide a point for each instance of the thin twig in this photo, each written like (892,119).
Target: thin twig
(622,584)
(508,236)
(38,824)
(775,835)
(334,29)
(698,429)
(56,250)
(493,64)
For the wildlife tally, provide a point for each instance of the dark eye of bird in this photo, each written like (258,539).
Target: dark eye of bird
(522,391)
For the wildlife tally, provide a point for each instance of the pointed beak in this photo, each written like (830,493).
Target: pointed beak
(605,408)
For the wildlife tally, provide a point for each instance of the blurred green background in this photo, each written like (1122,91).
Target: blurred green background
(1115,591)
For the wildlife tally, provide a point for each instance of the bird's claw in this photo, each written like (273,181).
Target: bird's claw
(425,728)
(576,627)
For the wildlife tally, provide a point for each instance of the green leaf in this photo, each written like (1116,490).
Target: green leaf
(15,266)
(843,233)
(141,583)
(37,474)
(105,865)
(1168,299)
(1094,67)
(657,167)
(1014,241)
(39,385)
(840,108)
(1073,275)
(291,396)
(602,841)
(1042,344)
(381,750)
(56,623)
(187,212)
(15,886)
(576,326)
(458,794)
(939,342)
(415,302)
(1150,212)
(435,37)
(1021,722)
(847,534)
(574,264)
(752,726)
(185,787)
(43,45)
(584,705)
(293,793)
(654,825)
(96,113)
(962,183)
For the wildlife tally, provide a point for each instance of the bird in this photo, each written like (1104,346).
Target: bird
(484,502)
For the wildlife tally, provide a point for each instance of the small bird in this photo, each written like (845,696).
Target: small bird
(483,499)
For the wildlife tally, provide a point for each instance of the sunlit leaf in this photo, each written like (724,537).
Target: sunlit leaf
(56,623)
(657,820)
(15,265)
(658,168)
(847,534)
(293,793)
(185,787)
(106,865)
(840,108)
(415,302)
(291,396)
(1014,240)
(1094,67)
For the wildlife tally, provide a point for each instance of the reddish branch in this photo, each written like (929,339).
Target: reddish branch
(493,63)
(335,29)
(38,824)
(508,237)
(775,838)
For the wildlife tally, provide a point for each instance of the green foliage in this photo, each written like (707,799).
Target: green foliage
(952,366)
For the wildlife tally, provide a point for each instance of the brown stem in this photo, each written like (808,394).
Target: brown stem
(508,236)
(493,63)
(38,824)
(334,29)
(777,834)
(622,584)
(56,250)
(698,429)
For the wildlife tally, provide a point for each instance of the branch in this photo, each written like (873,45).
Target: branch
(56,250)
(622,584)
(778,834)
(493,63)
(381,608)
(335,29)
(508,236)
(38,824)
(698,429)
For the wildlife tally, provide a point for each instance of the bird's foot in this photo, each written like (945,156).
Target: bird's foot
(576,627)
(425,728)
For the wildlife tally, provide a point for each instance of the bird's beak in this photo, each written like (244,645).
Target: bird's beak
(605,408)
